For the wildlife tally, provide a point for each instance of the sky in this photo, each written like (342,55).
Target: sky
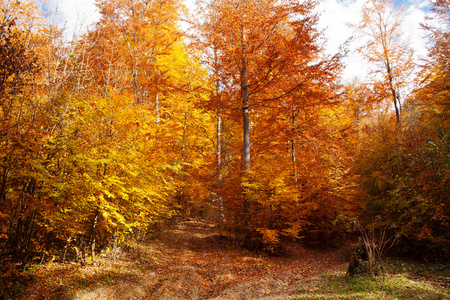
(75,15)
(336,14)
(78,15)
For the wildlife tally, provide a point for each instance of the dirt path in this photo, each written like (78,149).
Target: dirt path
(192,261)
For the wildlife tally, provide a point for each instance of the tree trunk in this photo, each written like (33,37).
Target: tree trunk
(394,92)
(246,119)
(157,108)
(293,149)
(246,131)
(219,165)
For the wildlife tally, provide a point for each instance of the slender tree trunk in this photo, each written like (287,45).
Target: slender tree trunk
(219,164)
(395,96)
(157,107)
(246,131)
(185,211)
(394,92)
(218,142)
(245,95)
(93,233)
(245,119)
(293,149)
(246,134)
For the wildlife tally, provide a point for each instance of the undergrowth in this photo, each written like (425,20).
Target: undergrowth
(404,280)
(65,280)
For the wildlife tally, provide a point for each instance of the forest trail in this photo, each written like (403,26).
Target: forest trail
(193,261)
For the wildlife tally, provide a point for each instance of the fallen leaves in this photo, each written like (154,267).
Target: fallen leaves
(189,261)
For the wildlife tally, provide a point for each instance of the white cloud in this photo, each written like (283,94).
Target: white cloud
(334,17)
(415,15)
(79,15)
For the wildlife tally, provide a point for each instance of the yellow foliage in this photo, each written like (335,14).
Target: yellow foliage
(270,237)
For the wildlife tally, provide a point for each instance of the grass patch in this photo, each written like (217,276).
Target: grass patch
(439,273)
(405,285)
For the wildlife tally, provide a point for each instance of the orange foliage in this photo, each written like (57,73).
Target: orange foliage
(273,81)
(386,49)
(127,126)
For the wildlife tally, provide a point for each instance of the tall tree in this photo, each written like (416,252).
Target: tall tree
(270,76)
(129,43)
(435,90)
(386,48)
(258,45)
(21,109)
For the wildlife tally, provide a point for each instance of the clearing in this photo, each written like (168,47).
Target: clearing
(189,261)
(192,260)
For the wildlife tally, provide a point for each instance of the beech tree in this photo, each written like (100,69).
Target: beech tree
(434,93)
(130,124)
(257,44)
(21,125)
(403,175)
(386,48)
(266,64)
(147,61)
(87,154)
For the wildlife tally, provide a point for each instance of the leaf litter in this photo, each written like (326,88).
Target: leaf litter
(194,261)
(191,260)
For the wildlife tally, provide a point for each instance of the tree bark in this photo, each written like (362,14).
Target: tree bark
(293,149)
(219,164)
(245,119)
(394,92)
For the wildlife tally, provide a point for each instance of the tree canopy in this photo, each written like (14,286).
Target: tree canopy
(136,123)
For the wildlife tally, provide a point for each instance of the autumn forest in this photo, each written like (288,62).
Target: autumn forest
(140,121)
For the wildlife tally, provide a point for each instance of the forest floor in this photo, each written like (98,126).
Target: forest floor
(193,261)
